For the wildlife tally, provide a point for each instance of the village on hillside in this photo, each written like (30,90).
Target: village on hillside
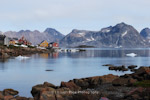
(23,42)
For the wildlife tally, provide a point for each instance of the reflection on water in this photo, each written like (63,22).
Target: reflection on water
(49,55)
(22,75)
(3,60)
(99,53)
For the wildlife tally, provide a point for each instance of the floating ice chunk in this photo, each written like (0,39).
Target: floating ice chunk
(131,54)
(22,57)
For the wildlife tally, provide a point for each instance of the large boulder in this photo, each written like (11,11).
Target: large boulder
(22,98)
(8,97)
(83,83)
(143,70)
(36,90)
(70,85)
(93,82)
(10,92)
(132,66)
(85,97)
(124,81)
(118,68)
(108,78)
(46,84)
(138,94)
(143,73)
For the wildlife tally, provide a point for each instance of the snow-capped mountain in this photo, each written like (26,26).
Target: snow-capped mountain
(120,35)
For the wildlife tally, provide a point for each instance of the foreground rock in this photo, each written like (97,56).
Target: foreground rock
(118,68)
(132,66)
(10,94)
(107,87)
(143,73)
(76,89)
(138,94)
(6,52)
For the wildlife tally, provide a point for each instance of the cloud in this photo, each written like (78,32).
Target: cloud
(92,14)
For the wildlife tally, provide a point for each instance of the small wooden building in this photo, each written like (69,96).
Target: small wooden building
(13,41)
(44,44)
(53,45)
(24,41)
(2,38)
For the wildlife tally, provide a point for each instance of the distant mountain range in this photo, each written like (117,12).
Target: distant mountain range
(120,35)
(35,37)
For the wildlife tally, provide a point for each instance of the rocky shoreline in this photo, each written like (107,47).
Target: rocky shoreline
(134,86)
(7,52)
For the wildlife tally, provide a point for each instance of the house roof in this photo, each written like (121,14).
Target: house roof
(52,42)
(43,41)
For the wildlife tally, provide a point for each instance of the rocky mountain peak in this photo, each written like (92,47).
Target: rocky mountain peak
(122,24)
(145,33)
(75,31)
(53,32)
(120,35)
(22,31)
(35,37)
(106,30)
(50,30)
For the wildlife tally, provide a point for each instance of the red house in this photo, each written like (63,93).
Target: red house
(24,41)
(53,45)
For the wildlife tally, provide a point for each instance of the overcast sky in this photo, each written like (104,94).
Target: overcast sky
(65,15)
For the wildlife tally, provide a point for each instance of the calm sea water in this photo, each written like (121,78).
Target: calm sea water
(21,75)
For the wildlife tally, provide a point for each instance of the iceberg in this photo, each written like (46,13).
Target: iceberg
(131,54)
(22,57)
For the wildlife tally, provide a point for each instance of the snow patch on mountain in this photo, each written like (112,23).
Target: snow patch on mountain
(124,33)
(82,33)
(105,30)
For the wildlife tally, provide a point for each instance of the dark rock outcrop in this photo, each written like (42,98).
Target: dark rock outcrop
(124,82)
(138,94)
(10,94)
(70,85)
(118,68)
(77,89)
(132,66)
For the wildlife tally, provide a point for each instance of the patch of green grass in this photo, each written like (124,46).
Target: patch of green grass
(145,83)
